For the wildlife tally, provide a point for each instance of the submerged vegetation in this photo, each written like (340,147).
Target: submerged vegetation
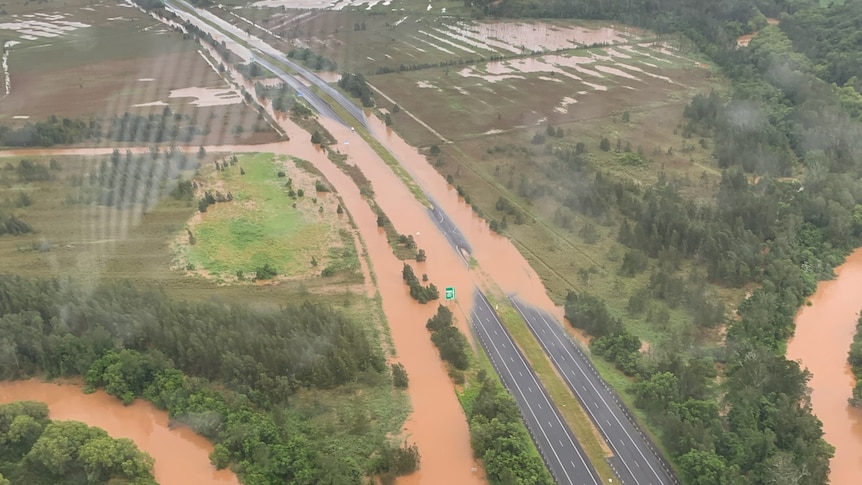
(35,449)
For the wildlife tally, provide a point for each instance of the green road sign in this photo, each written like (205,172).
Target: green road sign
(450,293)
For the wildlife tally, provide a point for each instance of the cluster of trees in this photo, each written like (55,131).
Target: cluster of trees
(499,438)
(312,60)
(612,341)
(422,294)
(167,127)
(451,343)
(34,449)
(128,180)
(357,87)
(282,96)
(855,359)
(225,371)
(53,131)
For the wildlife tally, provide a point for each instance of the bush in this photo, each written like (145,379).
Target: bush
(265,272)
(399,376)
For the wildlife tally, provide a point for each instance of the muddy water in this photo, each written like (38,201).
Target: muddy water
(181,456)
(824,332)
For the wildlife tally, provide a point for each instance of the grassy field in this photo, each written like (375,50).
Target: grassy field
(118,60)
(299,236)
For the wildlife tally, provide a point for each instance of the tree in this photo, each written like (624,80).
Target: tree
(626,116)
(202,153)
(605,144)
(420,256)
(316,138)
(388,119)
(434,150)
(399,376)
(265,272)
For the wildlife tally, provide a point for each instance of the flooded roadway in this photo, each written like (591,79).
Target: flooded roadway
(822,340)
(437,424)
(181,456)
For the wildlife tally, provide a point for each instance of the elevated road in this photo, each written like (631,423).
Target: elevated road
(561,451)
(635,460)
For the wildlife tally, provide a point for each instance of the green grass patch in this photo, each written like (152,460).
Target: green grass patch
(264,225)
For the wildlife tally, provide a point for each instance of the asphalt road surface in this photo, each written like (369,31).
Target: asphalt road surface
(448,228)
(556,442)
(264,54)
(635,460)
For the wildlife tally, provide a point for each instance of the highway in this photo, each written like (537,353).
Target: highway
(261,48)
(635,460)
(562,453)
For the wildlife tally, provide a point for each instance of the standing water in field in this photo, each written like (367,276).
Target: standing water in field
(181,456)
(822,340)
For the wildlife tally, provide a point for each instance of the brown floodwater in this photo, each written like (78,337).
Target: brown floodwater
(821,342)
(181,456)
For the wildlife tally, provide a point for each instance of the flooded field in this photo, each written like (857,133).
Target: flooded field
(822,340)
(100,60)
(181,456)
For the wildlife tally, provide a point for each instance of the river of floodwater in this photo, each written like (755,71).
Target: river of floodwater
(437,424)
(822,340)
(181,456)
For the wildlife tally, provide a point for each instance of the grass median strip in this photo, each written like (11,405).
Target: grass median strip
(571,410)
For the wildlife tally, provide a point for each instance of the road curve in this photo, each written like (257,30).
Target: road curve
(557,444)
(212,23)
(635,460)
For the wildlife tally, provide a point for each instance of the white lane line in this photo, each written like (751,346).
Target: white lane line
(527,402)
(533,377)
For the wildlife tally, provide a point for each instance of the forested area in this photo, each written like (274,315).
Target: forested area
(35,450)
(227,371)
(787,210)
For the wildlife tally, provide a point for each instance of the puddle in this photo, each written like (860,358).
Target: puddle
(207,96)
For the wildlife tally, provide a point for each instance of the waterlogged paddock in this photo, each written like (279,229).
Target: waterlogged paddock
(107,59)
(462,102)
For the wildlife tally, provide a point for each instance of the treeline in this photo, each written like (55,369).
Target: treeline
(451,343)
(225,371)
(53,131)
(855,359)
(127,180)
(312,60)
(167,127)
(498,435)
(612,341)
(422,294)
(36,450)
(357,87)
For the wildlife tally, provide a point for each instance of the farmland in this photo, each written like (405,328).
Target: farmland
(86,61)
